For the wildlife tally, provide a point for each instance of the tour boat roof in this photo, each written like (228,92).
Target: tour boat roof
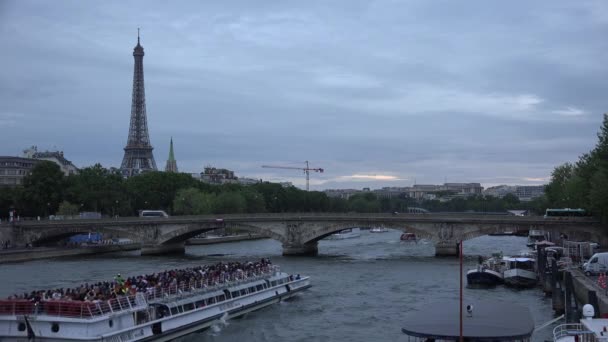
(489,320)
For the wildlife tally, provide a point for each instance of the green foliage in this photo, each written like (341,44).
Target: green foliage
(192,201)
(584,184)
(229,203)
(67,209)
(42,190)
(98,189)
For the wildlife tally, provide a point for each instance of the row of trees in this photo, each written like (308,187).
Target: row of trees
(583,184)
(46,191)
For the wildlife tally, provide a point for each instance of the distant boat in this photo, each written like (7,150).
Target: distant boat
(535,236)
(488,273)
(520,272)
(378,230)
(346,234)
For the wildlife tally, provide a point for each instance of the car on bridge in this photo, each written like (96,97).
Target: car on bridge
(153,213)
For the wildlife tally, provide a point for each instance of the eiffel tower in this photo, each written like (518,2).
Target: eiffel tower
(138,152)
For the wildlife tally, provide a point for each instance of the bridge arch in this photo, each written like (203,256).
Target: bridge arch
(51,236)
(187,232)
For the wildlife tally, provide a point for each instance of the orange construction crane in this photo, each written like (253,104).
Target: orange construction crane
(305,169)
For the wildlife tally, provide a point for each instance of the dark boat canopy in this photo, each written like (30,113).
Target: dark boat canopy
(488,320)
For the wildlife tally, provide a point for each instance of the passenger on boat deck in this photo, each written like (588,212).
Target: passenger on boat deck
(155,283)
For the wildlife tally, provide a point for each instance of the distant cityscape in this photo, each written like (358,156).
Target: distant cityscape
(138,158)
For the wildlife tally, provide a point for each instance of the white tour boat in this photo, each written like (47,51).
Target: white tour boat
(520,272)
(588,329)
(378,230)
(147,316)
(345,234)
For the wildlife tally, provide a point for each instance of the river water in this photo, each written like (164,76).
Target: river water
(362,287)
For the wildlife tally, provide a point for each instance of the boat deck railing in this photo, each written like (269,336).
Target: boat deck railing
(71,309)
(207,285)
(85,309)
(569,329)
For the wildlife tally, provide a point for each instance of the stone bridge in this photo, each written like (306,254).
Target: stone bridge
(299,233)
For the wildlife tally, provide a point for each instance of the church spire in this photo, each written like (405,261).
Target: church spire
(171,163)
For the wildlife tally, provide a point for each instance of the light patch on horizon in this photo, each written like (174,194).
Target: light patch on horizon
(537,179)
(570,111)
(371,177)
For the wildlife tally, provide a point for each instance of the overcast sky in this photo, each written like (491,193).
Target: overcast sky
(378,93)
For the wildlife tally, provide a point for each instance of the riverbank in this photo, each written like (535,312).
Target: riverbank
(36,253)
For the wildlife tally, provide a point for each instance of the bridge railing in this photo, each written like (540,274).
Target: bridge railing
(222,219)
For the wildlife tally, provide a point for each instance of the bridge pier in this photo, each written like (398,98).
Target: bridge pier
(154,249)
(307,249)
(447,249)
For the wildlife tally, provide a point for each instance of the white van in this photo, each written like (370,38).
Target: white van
(597,264)
(153,213)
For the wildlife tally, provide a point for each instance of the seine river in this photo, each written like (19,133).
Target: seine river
(362,287)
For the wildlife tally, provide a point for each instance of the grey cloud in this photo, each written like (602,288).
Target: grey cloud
(472,91)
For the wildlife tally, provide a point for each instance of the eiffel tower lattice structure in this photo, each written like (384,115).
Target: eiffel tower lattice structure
(138,156)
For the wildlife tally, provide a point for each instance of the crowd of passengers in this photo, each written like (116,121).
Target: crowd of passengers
(170,281)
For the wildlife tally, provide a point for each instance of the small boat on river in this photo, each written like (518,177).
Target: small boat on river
(162,312)
(488,273)
(378,230)
(535,236)
(345,234)
(520,272)
(482,321)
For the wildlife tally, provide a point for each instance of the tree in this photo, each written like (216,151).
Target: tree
(67,209)
(42,189)
(599,194)
(229,203)
(98,189)
(192,201)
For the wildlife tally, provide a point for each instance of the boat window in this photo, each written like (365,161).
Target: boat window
(221,298)
(211,300)
(273,283)
(174,311)
(259,287)
(188,307)
(235,294)
(200,303)
(252,289)
(243,292)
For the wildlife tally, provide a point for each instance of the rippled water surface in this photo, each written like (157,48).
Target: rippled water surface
(362,287)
